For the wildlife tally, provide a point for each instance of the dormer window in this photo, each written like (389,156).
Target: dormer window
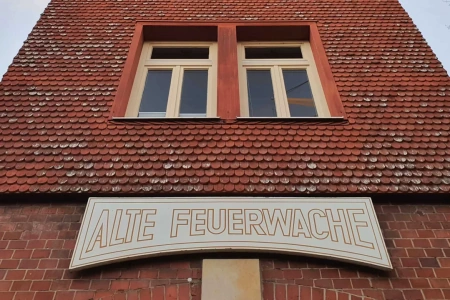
(280,80)
(175,80)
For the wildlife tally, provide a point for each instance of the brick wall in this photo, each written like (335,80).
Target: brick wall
(417,237)
(36,243)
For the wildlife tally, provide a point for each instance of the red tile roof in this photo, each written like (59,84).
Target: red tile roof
(56,98)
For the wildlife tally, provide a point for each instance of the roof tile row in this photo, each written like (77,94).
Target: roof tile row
(56,98)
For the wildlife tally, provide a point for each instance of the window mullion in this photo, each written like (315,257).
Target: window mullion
(280,98)
(283,95)
(211,107)
(172,103)
(243,90)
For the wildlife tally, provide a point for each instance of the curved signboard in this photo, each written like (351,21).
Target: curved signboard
(118,229)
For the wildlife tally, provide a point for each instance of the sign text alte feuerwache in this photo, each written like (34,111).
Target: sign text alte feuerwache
(117,229)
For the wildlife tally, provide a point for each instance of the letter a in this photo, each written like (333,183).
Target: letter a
(100,234)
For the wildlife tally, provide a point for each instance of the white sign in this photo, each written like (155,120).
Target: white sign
(118,229)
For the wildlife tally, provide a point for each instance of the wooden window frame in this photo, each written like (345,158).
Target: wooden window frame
(177,66)
(276,67)
(227,35)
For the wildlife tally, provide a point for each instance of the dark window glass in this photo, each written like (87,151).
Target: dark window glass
(194,93)
(156,93)
(180,53)
(261,101)
(299,94)
(272,52)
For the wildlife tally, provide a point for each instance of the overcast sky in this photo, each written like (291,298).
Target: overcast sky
(17,18)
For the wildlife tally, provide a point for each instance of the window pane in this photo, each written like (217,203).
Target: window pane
(180,53)
(194,93)
(261,101)
(299,94)
(156,93)
(272,52)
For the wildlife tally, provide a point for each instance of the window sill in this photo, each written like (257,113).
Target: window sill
(166,119)
(295,119)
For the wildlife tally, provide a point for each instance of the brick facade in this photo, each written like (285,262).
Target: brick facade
(37,242)
(59,146)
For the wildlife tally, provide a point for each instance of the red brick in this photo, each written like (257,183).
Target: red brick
(393,295)
(79,284)
(120,296)
(329,273)
(180,265)
(28,264)
(443,262)
(139,284)
(184,292)
(104,294)
(330,295)
(410,262)
(381,283)
(425,272)
(442,272)
(53,274)
(342,284)
(323,283)
(305,293)
(292,292)
(280,264)
(44,295)
(21,286)
(420,283)
(9,264)
(150,274)
(6,254)
(361,283)
(133,295)
(171,292)
(317,293)
(439,283)
(311,273)
(421,243)
(15,275)
(343,296)
(405,272)
(280,292)
(400,283)
(17,244)
(7,295)
(12,235)
(24,296)
(64,295)
(40,285)
(184,273)
(167,274)
(413,294)
(268,291)
(59,285)
(195,291)
(129,274)
(292,274)
(272,274)
(158,293)
(41,253)
(83,295)
(47,263)
(34,274)
(120,284)
(433,294)
(5,285)
(22,254)
(147,294)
